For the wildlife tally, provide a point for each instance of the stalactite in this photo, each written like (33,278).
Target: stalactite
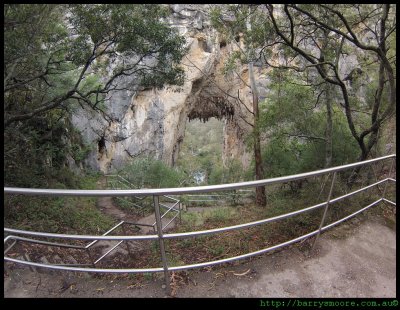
(207,107)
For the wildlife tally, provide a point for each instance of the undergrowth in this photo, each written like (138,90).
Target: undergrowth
(79,214)
(281,200)
(57,214)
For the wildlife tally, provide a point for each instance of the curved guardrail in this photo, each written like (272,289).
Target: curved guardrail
(160,236)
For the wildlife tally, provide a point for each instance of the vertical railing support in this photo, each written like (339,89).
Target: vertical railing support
(323,186)
(180,212)
(386,183)
(156,200)
(325,211)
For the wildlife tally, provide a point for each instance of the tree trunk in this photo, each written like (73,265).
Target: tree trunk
(329,127)
(373,135)
(328,98)
(261,199)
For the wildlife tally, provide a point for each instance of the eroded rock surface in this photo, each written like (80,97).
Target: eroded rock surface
(149,121)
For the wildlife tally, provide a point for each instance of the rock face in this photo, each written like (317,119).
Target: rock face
(152,122)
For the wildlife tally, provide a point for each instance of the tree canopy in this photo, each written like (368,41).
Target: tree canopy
(61,56)
(55,54)
(58,57)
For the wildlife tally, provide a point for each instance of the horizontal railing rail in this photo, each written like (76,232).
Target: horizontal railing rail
(200,232)
(160,236)
(205,264)
(235,197)
(184,190)
(72,246)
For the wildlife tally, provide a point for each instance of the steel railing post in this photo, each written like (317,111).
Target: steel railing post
(156,200)
(323,186)
(158,234)
(325,211)
(386,183)
(180,213)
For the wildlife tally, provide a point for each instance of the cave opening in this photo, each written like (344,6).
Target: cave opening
(102,146)
(201,149)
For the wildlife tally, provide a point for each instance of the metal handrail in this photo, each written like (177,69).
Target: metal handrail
(205,264)
(73,246)
(183,190)
(214,198)
(200,232)
(156,193)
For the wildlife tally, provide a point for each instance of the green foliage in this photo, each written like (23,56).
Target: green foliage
(215,217)
(287,103)
(51,59)
(35,154)
(55,56)
(35,48)
(231,63)
(238,26)
(221,215)
(201,151)
(151,173)
(372,30)
(232,172)
(58,214)
(192,219)
(80,152)
(215,18)
(295,127)
(134,30)
(201,155)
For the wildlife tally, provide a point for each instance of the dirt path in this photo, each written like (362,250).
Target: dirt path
(107,206)
(363,264)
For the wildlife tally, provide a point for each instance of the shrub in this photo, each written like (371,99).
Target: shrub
(151,173)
